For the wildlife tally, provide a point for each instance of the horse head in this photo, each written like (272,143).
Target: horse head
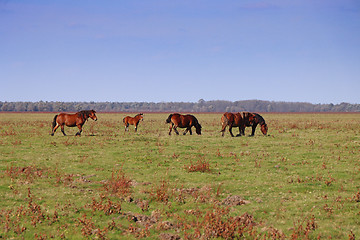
(141,116)
(198,128)
(264,128)
(92,115)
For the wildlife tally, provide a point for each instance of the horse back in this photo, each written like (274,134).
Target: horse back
(238,120)
(183,121)
(176,119)
(232,119)
(69,120)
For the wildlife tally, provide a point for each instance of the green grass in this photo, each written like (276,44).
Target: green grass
(303,180)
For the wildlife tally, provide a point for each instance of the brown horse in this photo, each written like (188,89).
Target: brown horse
(236,120)
(133,121)
(183,121)
(71,120)
(257,120)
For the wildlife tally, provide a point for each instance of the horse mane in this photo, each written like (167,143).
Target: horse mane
(85,113)
(260,119)
(198,124)
(195,120)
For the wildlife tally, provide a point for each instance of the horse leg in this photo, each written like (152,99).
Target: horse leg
(230,130)
(223,129)
(188,129)
(253,129)
(239,132)
(171,126)
(242,130)
(136,127)
(80,130)
(176,131)
(62,129)
(54,129)
(126,127)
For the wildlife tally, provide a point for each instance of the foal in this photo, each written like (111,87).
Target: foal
(133,121)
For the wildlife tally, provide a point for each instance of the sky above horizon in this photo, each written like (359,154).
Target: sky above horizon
(173,51)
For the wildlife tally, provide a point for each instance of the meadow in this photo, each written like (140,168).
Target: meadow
(302,181)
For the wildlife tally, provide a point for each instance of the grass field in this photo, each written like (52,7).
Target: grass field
(302,181)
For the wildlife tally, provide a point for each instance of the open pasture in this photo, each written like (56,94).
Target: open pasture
(301,181)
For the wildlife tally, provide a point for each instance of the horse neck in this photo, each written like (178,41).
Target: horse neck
(260,119)
(84,115)
(137,117)
(196,123)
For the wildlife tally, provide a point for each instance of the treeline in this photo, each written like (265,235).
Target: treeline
(200,106)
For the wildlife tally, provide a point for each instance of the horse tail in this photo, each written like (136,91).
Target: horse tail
(54,122)
(224,120)
(125,121)
(224,123)
(168,120)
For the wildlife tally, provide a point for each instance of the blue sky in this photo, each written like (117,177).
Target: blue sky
(180,50)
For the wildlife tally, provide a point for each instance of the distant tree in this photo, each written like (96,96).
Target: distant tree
(200,106)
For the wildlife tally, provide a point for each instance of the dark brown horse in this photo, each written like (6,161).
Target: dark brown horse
(71,120)
(183,121)
(133,121)
(236,120)
(257,120)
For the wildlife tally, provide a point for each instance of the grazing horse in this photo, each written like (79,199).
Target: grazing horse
(236,120)
(71,120)
(257,120)
(133,121)
(183,121)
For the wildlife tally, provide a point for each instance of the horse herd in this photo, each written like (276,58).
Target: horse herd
(176,120)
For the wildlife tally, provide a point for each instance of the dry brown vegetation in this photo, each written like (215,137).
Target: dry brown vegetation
(301,182)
